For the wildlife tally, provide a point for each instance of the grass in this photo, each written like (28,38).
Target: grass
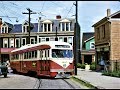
(84,83)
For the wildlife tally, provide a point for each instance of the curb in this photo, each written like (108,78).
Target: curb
(86,82)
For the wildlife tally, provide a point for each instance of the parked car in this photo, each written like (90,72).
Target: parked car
(3,69)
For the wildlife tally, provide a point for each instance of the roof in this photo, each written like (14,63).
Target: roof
(9,25)
(114,15)
(17,28)
(89,39)
(49,43)
(86,36)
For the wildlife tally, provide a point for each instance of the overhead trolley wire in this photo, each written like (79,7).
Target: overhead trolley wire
(69,10)
(5,12)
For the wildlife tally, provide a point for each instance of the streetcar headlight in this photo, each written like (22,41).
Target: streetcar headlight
(64,65)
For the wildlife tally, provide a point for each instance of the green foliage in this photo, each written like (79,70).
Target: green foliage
(113,74)
(79,65)
(92,66)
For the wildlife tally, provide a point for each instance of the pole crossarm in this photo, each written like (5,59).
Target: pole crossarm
(29,13)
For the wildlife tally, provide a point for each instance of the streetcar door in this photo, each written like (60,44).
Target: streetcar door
(21,58)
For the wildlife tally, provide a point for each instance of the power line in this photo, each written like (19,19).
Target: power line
(69,10)
(42,6)
(5,12)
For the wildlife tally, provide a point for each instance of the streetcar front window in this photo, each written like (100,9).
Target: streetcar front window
(56,53)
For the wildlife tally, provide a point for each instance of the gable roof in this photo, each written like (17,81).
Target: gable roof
(87,36)
(114,15)
(9,25)
(89,39)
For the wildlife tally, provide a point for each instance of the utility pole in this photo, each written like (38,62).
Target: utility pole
(0,48)
(56,39)
(29,13)
(76,40)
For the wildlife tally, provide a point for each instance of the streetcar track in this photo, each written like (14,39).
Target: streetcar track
(38,83)
(69,84)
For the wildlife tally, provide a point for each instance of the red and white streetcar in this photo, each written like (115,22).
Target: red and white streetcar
(52,58)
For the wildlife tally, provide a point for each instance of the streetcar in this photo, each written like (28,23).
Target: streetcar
(50,58)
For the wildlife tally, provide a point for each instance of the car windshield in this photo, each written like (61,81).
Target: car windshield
(56,53)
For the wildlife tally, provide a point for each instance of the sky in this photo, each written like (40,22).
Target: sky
(89,12)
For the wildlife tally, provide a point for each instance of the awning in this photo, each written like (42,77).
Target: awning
(6,50)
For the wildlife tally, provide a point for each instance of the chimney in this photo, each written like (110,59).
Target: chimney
(58,17)
(0,21)
(108,12)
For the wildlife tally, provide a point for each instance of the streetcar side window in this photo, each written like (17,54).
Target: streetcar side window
(32,54)
(29,54)
(16,56)
(35,53)
(43,55)
(46,54)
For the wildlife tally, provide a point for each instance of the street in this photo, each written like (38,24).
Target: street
(16,81)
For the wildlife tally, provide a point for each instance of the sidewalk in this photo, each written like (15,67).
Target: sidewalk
(98,80)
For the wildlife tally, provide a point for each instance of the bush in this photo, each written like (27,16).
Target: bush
(113,74)
(79,65)
(92,66)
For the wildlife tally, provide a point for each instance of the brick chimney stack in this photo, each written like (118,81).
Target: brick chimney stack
(58,17)
(108,12)
(0,21)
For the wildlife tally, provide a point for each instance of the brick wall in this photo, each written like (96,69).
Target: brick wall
(115,40)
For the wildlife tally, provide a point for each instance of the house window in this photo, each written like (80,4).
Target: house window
(42,39)
(47,39)
(4,29)
(103,31)
(25,28)
(45,27)
(61,39)
(11,42)
(39,39)
(52,39)
(32,40)
(67,26)
(63,26)
(70,40)
(5,43)
(48,27)
(23,41)
(65,39)
(92,45)
(98,33)
(17,42)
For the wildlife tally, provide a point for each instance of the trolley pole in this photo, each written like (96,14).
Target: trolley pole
(29,13)
(76,42)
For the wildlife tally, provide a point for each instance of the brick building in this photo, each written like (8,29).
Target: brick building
(107,40)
